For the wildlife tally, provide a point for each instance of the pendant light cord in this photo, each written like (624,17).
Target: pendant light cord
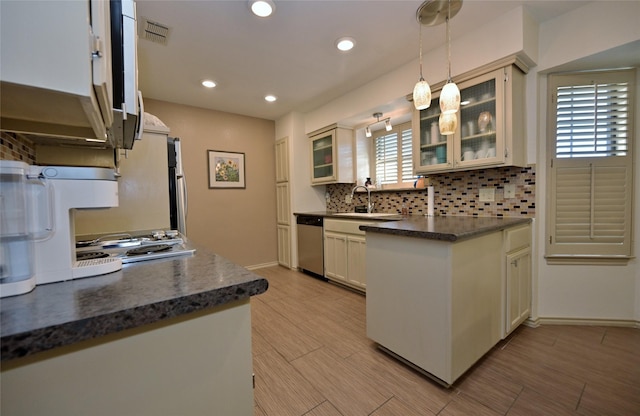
(420,53)
(449,41)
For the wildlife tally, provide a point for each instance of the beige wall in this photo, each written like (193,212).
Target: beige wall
(239,224)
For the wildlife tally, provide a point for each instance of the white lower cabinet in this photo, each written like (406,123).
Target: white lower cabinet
(345,252)
(195,364)
(356,264)
(284,245)
(517,277)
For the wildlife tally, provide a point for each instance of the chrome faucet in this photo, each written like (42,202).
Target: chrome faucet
(369,203)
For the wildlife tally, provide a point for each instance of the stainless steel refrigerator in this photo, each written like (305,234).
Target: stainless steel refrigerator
(151,188)
(177,187)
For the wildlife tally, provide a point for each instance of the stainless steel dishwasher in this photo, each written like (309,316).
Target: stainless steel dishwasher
(310,245)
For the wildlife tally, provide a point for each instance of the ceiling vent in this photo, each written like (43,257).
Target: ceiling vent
(154,31)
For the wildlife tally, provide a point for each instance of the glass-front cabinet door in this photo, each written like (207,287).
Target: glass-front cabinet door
(322,155)
(480,121)
(434,150)
(332,155)
(490,130)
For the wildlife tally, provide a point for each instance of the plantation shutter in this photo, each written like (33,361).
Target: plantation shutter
(592,120)
(387,158)
(407,160)
(393,155)
(591,171)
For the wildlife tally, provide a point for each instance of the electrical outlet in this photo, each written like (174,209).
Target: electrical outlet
(509,191)
(347,199)
(487,194)
(327,196)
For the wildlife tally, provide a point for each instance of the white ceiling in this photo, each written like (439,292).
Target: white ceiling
(292,54)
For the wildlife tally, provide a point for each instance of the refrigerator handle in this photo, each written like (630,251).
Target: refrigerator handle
(185,198)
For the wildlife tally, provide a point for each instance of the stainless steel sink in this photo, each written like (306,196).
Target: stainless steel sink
(372,215)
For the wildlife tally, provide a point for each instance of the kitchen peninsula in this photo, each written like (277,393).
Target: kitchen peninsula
(442,291)
(168,336)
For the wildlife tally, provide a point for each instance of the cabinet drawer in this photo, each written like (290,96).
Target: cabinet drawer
(517,238)
(345,226)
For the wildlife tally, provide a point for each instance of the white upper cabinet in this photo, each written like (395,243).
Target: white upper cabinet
(490,129)
(55,68)
(332,156)
(282,160)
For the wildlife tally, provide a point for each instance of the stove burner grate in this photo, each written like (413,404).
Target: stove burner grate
(89,255)
(148,249)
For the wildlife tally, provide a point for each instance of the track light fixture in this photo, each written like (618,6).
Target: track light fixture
(387,124)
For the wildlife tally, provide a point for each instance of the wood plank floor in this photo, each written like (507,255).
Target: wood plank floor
(312,357)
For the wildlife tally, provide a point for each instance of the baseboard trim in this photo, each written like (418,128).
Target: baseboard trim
(629,323)
(261,266)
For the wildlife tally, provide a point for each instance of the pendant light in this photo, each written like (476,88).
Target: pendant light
(433,13)
(422,90)
(450,95)
(448,122)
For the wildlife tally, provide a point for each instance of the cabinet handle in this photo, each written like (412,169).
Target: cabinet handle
(97,47)
(514,263)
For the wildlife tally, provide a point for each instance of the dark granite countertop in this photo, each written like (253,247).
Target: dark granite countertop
(376,216)
(444,228)
(58,314)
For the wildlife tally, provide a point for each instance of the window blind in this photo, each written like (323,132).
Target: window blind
(393,155)
(407,159)
(592,120)
(590,185)
(387,158)
(590,204)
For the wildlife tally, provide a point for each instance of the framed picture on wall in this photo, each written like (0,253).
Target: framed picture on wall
(226,170)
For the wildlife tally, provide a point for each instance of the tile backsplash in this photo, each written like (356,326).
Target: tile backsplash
(14,148)
(456,193)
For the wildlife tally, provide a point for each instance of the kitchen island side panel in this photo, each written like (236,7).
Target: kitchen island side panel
(197,364)
(408,299)
(436,304)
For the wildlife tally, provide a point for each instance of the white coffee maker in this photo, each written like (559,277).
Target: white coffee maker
(40,247)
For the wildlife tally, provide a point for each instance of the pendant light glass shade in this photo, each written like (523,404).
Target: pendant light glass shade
(450,95)
(450,98)
(422,95)
(448,123)
(422,90)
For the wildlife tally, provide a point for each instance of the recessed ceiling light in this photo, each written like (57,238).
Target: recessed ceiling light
(208,83)
(270,98)
(262,8)
(345,44)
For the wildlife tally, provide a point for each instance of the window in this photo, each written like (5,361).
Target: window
(392,155)
(590,181)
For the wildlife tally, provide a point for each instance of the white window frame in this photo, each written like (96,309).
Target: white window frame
(590,191)
(398,130)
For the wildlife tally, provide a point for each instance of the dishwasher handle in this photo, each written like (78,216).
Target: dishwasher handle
(309,220)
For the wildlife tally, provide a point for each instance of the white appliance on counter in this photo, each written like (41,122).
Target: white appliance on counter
(72,188)
(52,194)
(152,188)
